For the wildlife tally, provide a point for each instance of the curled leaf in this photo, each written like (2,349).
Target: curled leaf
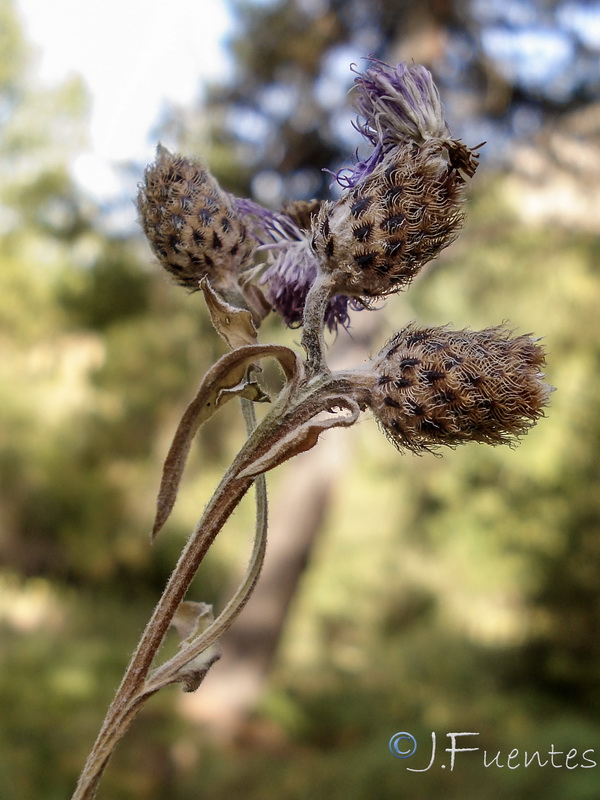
(250,390)
(224,380)
(302,438)
(190,621)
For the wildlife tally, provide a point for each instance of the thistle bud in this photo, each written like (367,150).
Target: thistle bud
(192,224)
(379,234)
(434,386)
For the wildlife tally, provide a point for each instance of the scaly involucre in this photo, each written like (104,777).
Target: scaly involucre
(435,386)
(403,204)
(191,223)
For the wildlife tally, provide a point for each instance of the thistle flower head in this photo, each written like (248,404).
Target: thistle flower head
(435,386)
(380,233)
(292,264)
(191,223)
(403,204)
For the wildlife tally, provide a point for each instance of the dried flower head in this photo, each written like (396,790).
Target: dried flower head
(191,223)
(435,386)
(379,234)
(403,204)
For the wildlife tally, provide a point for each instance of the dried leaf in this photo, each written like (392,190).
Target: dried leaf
(302,439)
(190,620)
(248,389)
(231,323)
(224,380)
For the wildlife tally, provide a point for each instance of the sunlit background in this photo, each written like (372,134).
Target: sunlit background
(400,593)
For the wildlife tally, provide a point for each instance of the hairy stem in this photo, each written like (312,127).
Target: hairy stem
(313,324)
(167,672)
(287,415)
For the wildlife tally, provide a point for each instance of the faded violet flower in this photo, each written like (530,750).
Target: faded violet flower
(435,386)
(292,265)
(403,204)
(398,105)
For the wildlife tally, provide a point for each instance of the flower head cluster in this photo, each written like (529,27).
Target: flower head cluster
(400,207)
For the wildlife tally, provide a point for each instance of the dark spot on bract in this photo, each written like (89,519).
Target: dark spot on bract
(393,247)
(414,408)
(409,362)
(403,383)
(363,232)
(445,396)
(360,206)
(417,337)
(391,224)
(433,375)
(430,427)
(393,195)
(389,401)
(205,216)
(475,380)
(366,260)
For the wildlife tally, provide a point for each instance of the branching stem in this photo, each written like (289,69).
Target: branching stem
(289,413)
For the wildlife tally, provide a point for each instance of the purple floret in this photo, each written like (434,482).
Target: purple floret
(293,265)
(396,105)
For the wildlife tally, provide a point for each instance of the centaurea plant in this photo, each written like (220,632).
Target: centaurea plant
(310,262)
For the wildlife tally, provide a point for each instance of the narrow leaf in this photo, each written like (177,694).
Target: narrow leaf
(224,380)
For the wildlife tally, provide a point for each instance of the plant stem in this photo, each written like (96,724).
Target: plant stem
(286,415)
(131,694)
(313,339)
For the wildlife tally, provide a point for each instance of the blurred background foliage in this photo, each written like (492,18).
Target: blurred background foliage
(451,594)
